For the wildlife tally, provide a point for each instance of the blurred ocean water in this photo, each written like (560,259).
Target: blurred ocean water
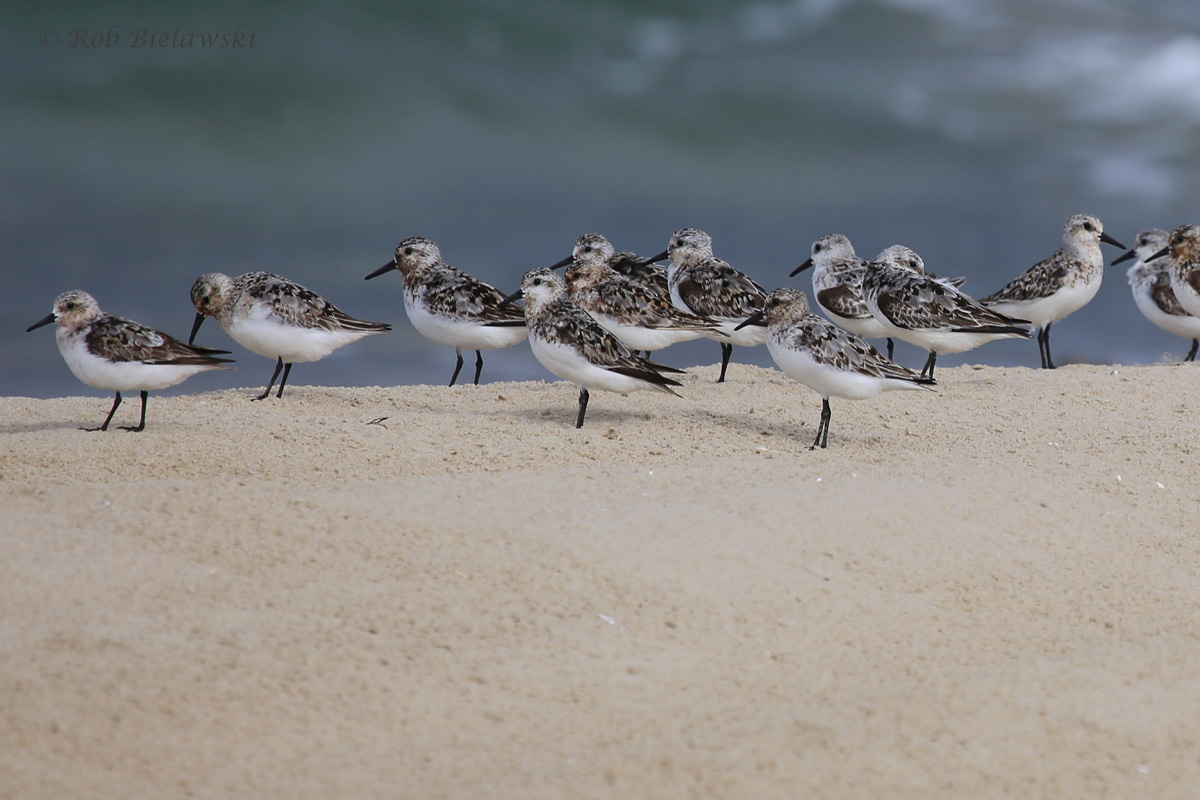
(502,130)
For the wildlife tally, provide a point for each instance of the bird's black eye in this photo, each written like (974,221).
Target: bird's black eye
(1087,226)
(912,264)
(70,306)
(817,248)
(408,251)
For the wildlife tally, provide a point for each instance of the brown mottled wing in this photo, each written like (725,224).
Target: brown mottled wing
(123,340)
(1164,296)
(717,290)
(917,302)
(844,302)
(454,293)
(567,323)
(843,350)
(1040,280)
(643,305)
(1193,278)
(303,308)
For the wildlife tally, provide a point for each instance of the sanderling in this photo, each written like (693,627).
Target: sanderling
(1184,251)
(641,317)
(450,307)
(825,358)
(1150,280)
(630,265)
(1183,248)
(573,346)
(929,311)
(276,318)
(706,286)
(111,352)
(1058,285)
(837,287)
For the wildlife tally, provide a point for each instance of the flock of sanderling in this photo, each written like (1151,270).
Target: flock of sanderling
(597,325)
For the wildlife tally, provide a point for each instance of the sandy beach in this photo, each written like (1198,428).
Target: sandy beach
(433,592)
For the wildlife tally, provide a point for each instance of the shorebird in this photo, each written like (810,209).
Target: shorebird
(573,346)
(837,287)
(1058,285)
(929,311)
(450,307)
(706,286)
(276,318)
(827,359)
(1183,247)
(631,265)
(1150,281)
(111,352)
(637,314)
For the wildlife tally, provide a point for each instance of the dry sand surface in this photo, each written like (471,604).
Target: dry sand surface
(988,591)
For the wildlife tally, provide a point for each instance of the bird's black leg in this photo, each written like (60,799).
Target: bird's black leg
(927,370)
(822,439)
(1044,341)
(726,352)
(274,375)
(287,370)
(583,400)
(107,419)
(1191,356)
(647,356)
(478,365)
(141,426)
(457,366)
(827,413)
(891,347)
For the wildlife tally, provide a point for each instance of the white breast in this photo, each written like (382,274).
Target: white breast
(459,332)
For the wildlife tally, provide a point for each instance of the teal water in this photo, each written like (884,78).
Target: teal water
(502,130)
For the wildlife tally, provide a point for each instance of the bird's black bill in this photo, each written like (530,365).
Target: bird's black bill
(1123,257)
(562,263)
(1166,251)
(385,268)
(807,263)
(196,326)
(46,320)
(1104,237)
(511,298)
(660,257)
(757,318)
